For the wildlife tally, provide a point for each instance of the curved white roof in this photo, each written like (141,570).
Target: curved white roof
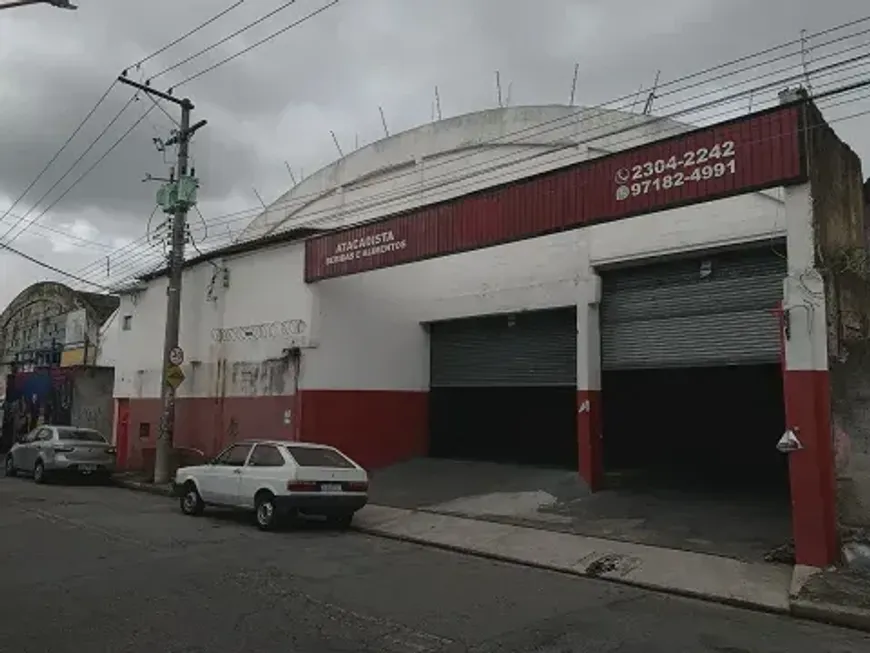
(453,157)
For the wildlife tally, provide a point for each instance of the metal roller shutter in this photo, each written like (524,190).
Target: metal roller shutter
(708,311)
(519,350)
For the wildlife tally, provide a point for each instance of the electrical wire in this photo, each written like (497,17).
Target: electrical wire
(65,175)
(692,76)
(102,99)
(490,162)
(59,151)
(263,41)
(187,35)
(52,268)
(60,232)
(75,183)
(199,74)
(330,216)
(798,77)
(124,282)
(216,44)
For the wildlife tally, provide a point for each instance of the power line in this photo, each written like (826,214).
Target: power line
(187,35)
(691,76)
(103,98)
(198,54)
(561,119)
(329,215)
(60,151)
(396,192)
(123,281)
(263,41)
(394,196)
(65,175)
(52,268)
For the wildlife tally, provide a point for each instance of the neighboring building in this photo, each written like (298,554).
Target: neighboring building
(498,286)
(50,324)
(49,359)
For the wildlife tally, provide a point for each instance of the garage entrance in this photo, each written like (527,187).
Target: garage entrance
(692,383)
(503,388)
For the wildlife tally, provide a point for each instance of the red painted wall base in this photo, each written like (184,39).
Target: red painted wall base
(811,470)
(589,433)
(374,427)
(208,424)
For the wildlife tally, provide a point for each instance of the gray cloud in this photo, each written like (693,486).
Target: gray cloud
(280,101)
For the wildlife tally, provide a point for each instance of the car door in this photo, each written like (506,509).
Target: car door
(219,483)
(25,452)
(264,468)
(44,439)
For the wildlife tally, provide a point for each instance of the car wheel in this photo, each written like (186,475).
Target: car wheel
(191,502)
(39,472)
(266,512)
(342,521)
(10,466)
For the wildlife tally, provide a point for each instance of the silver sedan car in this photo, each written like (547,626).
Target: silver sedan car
(52,450)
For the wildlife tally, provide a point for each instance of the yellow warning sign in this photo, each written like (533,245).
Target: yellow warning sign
(174,376)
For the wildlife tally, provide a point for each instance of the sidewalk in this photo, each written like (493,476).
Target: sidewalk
(759,586)
(837,596)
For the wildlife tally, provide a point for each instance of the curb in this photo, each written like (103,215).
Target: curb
(827,613)
(831,614)
(735,603)
(140,486)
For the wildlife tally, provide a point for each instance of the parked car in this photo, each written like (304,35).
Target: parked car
(277,480)
(52,450)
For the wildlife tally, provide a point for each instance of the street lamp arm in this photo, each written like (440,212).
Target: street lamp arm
(60,4)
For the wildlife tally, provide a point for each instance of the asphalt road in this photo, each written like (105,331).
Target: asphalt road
(91,570)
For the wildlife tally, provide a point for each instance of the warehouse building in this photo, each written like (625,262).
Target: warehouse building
(619,293)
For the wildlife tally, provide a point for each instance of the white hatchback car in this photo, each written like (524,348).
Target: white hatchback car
(276,479)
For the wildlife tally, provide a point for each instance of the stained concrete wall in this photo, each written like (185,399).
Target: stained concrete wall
(840,224)
(92,403)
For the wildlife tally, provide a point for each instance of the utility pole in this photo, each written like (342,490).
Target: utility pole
(60,4)
(176,197)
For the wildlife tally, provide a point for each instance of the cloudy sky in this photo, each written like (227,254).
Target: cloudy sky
(279,102)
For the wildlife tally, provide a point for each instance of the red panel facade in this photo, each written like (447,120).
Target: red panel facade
(760,151)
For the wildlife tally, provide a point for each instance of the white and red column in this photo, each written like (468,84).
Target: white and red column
(589,420)
(806,382)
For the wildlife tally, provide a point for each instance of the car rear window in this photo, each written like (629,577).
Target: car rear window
(319,457)
(80,435)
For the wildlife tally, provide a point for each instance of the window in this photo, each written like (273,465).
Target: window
(266,455)
(80,435)
(127,322)
(44,435)
(144,430)
(319,457)
(235,456)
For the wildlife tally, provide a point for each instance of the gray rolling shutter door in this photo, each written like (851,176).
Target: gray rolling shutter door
(686,313)
(525,349)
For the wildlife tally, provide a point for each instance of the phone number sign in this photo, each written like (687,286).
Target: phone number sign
(759,151)
(729,159)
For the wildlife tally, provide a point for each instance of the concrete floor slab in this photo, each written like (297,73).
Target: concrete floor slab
(743,526)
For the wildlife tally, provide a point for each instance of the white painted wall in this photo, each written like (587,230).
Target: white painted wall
(370,334)
(454,157)
(264,287)
(109,341)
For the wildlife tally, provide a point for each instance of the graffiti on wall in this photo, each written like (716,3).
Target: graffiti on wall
(266,331)
(36,398)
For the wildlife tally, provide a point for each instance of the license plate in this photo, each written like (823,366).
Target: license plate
(330,487)
(87,468)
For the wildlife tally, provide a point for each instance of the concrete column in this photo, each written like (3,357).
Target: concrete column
(807,390)
(589,422)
